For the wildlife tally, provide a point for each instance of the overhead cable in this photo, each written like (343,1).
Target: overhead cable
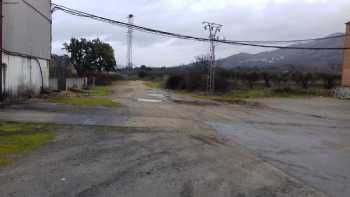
(187,37)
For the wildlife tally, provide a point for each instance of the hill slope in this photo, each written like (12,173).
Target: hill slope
(327,59)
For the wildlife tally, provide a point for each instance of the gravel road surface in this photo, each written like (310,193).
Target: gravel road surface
(154,146)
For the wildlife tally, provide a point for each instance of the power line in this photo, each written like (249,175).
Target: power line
(281,47)
(294,41)
(187,37)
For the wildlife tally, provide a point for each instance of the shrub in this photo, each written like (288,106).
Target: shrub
(267,79)
(329,80)
(195,81)
(175,82)
(250,78)
(142,74)
(106,78)
(302,79)
(222,84)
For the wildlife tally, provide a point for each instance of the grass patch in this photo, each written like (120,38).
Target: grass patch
(101,91)
(16,127)
(20,138)
(240,95)
(84,101)
(153,84)
(22,143)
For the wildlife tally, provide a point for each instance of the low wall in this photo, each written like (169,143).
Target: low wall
(24,76)
(77,83)
(53,84)
(342,93)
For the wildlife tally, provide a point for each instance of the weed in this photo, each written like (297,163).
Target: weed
(86,101)
(101,91)
(153,84)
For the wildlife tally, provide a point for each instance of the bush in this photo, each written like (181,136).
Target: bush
(106,78)
(196,82)
(250,78)
(302,79)
(222,83)
(142,74)
(267,79)
(175,82)
(329,80)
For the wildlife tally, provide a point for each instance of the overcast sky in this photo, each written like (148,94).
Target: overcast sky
(242,20)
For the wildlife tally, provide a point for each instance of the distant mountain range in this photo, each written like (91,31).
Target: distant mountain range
(325,60)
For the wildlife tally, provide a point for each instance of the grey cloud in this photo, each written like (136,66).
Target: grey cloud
(291,20)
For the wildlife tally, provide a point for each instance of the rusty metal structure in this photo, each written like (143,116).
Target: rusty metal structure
(1,91)
(346,63)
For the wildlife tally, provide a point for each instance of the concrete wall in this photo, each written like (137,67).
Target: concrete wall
(22,76)
(27,36)
(346,64)
(78,83)
(27,30)
(53,84)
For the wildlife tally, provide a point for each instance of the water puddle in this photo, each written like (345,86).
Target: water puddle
(156,95)
(149,100)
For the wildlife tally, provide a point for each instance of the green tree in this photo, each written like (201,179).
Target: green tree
(77,49)
(91,56)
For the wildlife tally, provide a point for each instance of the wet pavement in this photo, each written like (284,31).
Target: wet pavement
(319,155)
(185,147)
(64,114)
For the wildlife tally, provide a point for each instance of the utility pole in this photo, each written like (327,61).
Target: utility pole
(213,29)
(129,40)
(1,52)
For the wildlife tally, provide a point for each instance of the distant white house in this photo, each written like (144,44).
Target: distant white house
(26,46)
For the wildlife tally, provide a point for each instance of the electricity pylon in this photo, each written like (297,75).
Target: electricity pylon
(129,42)
(213,29)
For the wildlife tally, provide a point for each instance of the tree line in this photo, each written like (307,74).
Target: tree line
(194,78)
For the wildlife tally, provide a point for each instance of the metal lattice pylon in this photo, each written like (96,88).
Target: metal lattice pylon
(129,42)
(213,29)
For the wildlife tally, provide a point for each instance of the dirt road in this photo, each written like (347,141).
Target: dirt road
(153,146)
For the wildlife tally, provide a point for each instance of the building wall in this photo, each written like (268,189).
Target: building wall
(23,77)
(26,29)
(27,43)
(346,64)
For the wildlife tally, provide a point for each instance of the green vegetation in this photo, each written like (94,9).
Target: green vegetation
(153,84)
(101,91)
(105,79)
(17,127)
(239,95)
(84,101)
(91,56)
(19,138)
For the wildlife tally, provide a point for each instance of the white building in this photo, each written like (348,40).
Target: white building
(26,36)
